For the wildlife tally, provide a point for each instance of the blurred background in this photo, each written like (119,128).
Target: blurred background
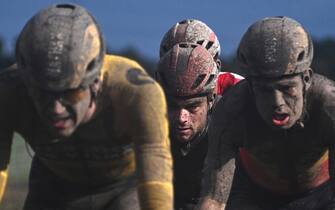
(135,28)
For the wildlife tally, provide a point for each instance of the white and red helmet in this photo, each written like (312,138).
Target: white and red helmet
(187,70)
(191,31)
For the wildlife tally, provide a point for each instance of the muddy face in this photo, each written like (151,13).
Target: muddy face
(280,102)
(61,112)
(187,117)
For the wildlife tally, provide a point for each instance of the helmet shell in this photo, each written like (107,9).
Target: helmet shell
(187,70)
(192,31)
(61,47)
(274,47)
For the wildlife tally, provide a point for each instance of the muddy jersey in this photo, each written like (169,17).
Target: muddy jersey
(188,172)
(129,130)
(283,161)
(189,157)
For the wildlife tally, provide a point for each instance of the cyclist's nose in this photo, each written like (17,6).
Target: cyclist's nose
(57,107)
(183,115)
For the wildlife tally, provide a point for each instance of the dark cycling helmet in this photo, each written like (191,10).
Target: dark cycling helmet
(192,31)
(187,70)
(274,47)
(60,48)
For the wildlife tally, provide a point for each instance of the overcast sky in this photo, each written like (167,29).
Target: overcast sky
(142,23)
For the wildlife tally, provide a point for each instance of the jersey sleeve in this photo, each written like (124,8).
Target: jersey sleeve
(322,95)
(220,161)
(152,146)
(225,137)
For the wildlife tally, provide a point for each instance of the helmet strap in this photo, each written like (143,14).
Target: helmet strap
(218,63)
(94,89)
(211,101)
(304,116)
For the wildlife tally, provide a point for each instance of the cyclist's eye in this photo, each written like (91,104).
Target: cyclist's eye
(289,90)
(192,108)
(74,96)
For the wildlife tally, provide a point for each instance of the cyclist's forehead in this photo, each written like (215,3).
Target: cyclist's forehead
(54,92)
(182,102)
(278,82)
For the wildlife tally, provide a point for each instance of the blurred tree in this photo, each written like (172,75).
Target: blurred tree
(6,59)
(324,57)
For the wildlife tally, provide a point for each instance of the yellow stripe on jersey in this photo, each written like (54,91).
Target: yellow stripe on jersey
(3,183)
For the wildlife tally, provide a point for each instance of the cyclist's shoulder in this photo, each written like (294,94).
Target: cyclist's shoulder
(126,81)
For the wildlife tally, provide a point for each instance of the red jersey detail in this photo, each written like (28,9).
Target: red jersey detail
(322,168)
(255,169)
(227,80)
(269,180)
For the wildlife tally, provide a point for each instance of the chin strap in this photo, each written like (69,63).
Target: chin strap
(94,89)
(300,122)
(304,116)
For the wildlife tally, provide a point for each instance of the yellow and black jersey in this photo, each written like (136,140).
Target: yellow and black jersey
(128,133)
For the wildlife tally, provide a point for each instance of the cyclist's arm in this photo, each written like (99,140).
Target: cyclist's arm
(220,161)
(323,92)
(152,146)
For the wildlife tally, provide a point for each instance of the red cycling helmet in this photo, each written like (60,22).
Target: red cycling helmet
(192,31)
(187,70)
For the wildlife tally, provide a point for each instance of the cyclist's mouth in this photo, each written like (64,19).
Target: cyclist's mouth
(280,119)
(62,123)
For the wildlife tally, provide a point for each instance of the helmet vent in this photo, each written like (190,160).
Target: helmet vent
(198,81)
(210,79)
(301,56)
(184,45)
(209,45)
(200,42)
(91,65)
(183,22)
(216,56)
(66,6)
